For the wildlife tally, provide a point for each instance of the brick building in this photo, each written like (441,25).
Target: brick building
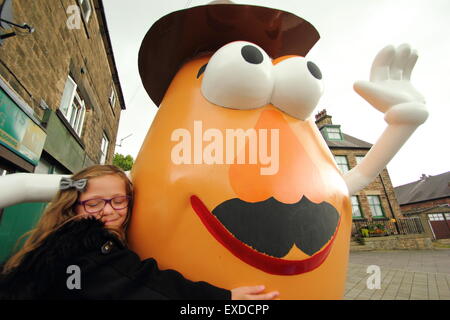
(60,95)
(375,203)
(62,82)
(428,198)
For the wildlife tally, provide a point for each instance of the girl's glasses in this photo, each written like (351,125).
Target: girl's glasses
(96,205)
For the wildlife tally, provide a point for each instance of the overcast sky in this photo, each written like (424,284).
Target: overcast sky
(352,32)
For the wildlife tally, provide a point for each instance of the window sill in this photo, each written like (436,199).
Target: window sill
(380,218)
(69,128)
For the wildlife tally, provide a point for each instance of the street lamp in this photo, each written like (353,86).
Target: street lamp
(120,143)
(6,15)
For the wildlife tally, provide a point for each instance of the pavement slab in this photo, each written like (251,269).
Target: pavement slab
(404,275)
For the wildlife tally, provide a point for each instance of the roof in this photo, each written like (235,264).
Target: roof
(427,188)
(440,208)
(109,51)
(348,142)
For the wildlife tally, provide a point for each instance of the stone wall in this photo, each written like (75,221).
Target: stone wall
(404,242)
(37,65)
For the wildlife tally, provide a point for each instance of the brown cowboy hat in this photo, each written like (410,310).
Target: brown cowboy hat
(181,35)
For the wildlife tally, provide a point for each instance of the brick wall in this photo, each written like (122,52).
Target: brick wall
(381,186)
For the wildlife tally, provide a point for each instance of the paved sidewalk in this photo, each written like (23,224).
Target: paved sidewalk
(405,275)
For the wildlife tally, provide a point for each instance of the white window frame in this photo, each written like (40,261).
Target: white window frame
(85,11)
(375,204)
(436,217)
(74,110)
(344,167)
(104,148)
(78,111)
(70,88)
(333,133)
(112,98)
(355,202)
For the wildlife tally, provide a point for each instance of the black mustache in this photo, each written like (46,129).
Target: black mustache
(273,227)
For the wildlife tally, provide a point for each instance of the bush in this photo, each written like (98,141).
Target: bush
(124,162)
(364,232)
(361,240)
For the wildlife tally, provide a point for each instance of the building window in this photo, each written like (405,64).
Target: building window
(356,208)
(72,106)
(86,9)
(342,163)
(359,159)
(375,206)
(47,166)
(68,95)
(436,217)
(104,149)
(77,114)
(43,167)
(333,133)
(112,98)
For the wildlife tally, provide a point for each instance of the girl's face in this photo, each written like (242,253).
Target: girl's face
(113,211)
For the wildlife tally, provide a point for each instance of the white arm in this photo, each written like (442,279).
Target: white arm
(390,91)
(28,187)
(378,157)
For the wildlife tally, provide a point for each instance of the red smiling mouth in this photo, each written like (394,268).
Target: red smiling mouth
(252,257)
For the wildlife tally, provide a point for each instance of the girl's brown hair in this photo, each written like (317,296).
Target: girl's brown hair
(62,210)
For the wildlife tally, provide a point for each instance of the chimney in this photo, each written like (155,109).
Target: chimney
(322,118)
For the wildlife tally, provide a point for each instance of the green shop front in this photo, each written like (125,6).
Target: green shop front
(33,145)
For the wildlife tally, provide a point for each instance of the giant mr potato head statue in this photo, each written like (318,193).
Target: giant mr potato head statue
(234,183)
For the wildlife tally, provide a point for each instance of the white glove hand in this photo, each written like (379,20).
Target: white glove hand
(390,90)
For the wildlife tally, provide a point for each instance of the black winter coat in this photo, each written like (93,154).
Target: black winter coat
(107,270)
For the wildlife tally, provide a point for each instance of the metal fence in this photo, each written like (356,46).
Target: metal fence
(375,228)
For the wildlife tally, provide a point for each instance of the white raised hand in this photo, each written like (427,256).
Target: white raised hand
(391,92)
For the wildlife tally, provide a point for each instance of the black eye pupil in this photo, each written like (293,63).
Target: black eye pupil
(251,54)
(201,70)
(315,71)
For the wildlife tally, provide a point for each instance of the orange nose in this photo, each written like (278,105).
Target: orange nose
(284,172)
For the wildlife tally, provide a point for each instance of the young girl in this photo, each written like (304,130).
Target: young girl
(82,233)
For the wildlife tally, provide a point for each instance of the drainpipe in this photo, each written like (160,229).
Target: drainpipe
(389,203)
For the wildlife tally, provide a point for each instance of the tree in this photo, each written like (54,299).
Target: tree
(124,162)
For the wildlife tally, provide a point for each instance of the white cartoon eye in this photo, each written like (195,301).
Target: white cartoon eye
(239,76)
(298,87)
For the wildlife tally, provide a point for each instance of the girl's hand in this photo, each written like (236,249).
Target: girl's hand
(252,293)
